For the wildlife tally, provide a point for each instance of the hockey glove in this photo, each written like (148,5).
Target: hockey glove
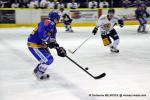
(70,20)
(53,45)
(147,15)
(121,23)
(61,52)
(95,31)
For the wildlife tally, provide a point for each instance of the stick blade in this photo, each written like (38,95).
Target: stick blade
(100,76)
(70,51)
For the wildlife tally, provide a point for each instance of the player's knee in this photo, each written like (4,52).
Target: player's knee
(143,22)
(50,60)
(116,42)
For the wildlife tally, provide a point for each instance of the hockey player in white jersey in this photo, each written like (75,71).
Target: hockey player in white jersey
(66,20)
(109,35)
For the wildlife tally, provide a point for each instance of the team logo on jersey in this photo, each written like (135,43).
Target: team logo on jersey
(107,26)
(46,22)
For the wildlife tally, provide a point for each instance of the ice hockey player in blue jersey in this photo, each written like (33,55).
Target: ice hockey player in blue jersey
(140,14)
(42,38)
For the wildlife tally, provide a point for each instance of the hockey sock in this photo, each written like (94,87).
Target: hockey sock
(41,69)
(144,27)
(115,43)
(139,29)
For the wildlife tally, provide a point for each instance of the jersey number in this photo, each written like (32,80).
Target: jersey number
(35,29)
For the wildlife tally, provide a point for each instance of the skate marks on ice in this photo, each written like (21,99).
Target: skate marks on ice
(31,88)
(132,29)
(127,67)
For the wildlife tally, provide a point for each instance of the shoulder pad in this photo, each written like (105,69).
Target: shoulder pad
(116,17)
(46,22)
(103,17)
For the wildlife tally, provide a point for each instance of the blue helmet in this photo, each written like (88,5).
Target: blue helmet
(53,15)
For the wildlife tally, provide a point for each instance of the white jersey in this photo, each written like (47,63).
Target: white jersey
(15,5)
(105,24)
(33,4)
(93,4)
(104,5)
(45,4)
(64,16)
(72,5)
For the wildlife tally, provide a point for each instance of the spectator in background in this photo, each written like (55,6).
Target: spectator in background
(52,5)
(61,4)
(56,4)
(7,3)
(72,5)
(23,3)
(126,3)
(93,4)
(49,4)
(138,2)
(2,4)
(33,4)
(145,3)
(104,4)
(45,4)
(15,5)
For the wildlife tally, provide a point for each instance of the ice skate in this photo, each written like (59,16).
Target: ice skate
(40,74)
(114,50)
(144,31)
(67,30)
(71,30)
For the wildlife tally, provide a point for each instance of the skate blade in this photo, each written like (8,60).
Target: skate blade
(41,78)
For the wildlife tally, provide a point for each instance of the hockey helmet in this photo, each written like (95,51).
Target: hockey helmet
(111,10)
(53,15)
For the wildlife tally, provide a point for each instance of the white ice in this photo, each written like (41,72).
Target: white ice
(127,72)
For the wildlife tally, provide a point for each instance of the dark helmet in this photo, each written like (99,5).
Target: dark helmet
(111,10)
(61,9)
(53,15)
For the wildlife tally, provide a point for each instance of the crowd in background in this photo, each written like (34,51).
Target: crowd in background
(72,4)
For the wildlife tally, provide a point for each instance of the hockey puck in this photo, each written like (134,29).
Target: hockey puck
(86,68)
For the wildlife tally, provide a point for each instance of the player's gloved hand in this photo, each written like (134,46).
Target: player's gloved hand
(53,45)
(70,20)
(61,51)
(121,23)
(147,15)
(121,26)
(95,31)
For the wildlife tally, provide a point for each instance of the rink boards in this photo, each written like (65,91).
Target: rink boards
(81,17)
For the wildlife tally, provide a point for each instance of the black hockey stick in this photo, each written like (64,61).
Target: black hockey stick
(72,52)
(95,77)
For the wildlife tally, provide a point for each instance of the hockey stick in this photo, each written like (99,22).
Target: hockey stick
(95,77)
(72,52)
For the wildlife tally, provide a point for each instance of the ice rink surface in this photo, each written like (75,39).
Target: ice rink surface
(127,72)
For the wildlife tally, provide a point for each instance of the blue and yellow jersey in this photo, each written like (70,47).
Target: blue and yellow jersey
(140,13)
(44,32)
